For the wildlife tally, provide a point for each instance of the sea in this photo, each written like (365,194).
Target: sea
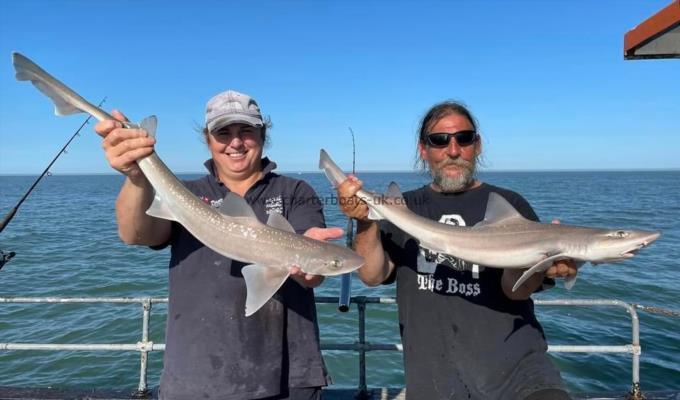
(66,244)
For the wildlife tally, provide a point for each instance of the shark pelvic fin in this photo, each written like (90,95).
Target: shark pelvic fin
(571,280)
(539,267)
(158,209)
(499,210)
(234,205)
(261,283)
(278,221)
(374,215)
(149,124)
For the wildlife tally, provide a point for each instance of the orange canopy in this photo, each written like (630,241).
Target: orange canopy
(656,37)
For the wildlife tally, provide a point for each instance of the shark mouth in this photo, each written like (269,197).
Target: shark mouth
(632,252)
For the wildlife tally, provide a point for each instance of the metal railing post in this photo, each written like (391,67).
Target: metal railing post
(635,390)
(142,390)
(363,389)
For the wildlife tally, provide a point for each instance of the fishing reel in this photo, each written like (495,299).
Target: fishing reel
(5,256)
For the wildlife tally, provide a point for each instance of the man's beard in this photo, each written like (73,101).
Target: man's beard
(462,180)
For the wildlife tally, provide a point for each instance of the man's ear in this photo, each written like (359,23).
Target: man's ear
(422,150)
(478,145)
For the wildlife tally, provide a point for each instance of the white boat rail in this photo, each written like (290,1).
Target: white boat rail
(144,346)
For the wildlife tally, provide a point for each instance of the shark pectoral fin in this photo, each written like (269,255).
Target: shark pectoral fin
(539,267)
(158,209)
(261,282)
(571,280)
(149,124)
(278,221)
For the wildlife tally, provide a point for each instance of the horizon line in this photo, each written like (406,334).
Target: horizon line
(379,171)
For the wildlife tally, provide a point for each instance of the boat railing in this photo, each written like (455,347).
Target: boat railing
(362,346)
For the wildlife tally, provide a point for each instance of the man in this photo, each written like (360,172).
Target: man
(212,350)
(466,334)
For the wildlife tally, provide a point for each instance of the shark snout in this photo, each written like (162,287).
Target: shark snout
(651,238)
(644,240)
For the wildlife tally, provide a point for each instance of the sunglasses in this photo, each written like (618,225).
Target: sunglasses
(463,138)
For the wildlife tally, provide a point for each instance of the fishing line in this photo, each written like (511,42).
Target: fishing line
(5,256)
(657,310)
(346,283)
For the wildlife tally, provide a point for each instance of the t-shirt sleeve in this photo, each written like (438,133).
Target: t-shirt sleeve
(305,209)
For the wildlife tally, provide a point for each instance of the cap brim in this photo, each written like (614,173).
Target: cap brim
(226,120)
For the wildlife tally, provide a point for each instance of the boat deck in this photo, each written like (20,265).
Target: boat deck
(9,393)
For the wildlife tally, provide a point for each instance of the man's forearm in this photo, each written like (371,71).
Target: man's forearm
(377,266)
(134,225)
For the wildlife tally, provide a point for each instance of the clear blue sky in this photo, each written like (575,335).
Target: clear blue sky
(546,79)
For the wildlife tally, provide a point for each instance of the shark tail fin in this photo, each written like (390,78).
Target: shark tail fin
(331,169)
(65,100)
(27,70)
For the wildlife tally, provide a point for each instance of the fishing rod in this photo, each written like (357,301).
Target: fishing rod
(346,283)
(5,256)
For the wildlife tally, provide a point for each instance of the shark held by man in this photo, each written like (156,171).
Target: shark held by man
(232,231)
(504,239)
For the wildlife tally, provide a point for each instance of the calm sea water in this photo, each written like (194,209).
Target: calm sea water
(66,244)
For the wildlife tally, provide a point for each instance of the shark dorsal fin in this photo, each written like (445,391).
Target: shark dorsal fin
(149,125)
(394,191)
(394,196)
(234,205)
(278,221)
(498,210)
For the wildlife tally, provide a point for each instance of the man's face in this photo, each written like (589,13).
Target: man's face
(237,150)
(452,167)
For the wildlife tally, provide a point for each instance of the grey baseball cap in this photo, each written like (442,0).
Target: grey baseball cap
(232,107)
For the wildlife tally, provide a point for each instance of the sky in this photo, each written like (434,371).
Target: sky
(545,79)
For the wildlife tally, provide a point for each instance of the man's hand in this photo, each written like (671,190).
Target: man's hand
(311,280)
(562,268)
(350,204)
(123,147)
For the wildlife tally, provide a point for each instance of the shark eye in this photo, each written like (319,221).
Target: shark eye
(620,234)
(335,263)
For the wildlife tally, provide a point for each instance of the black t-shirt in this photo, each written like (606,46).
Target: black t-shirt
(212,350)
(462,337)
